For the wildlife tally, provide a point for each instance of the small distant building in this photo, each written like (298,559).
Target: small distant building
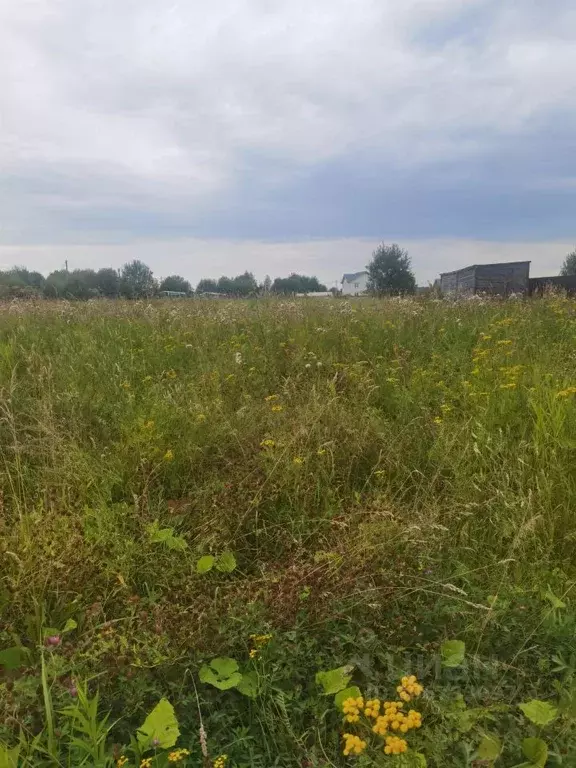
(315,295)
(355,283)
(173,294)
(501,279)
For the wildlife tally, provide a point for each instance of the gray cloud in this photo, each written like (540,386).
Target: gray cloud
(146,121)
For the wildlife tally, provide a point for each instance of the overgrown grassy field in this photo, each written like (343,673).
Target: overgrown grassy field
(362,481)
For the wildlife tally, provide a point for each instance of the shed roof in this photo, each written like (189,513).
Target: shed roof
(494,264)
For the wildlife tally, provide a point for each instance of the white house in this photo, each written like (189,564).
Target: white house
(354,283)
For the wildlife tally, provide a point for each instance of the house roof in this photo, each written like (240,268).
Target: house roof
(349,277)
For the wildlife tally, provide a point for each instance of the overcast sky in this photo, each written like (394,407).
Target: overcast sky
(213,137)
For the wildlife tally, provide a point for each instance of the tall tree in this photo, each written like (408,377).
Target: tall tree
(244,284)
(297,284)
(267,284)
(175,283)
(56,285)
(225,285)
(79,284)
(108,282)
(390,271)
(207,285)
(569,266)
(137,280)
(82,284)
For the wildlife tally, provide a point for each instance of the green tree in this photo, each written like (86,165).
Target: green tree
(244,284)
(266,285)
(225,285)
(569,266)
(175,283)
(108,282)
(56,285)
(297,284)
(390,271)
(137,280)
(19,281)
(79,284)
(206,285)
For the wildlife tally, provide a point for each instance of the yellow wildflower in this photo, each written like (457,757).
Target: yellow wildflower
(146,762)
(353,744)
(220,762)
(395,745)
(504,342)
(510,385)
(260,640)
(351,708)
(409,687)
(270,398)
(122,760)
(177,755)
(298,460)
(437,420)
(381,725)
(372,708)
(277,408)
(268,443)
(321,451)
(254,653)
(169,455)
(125,385)
(171,374)
(414,719)
(201,418)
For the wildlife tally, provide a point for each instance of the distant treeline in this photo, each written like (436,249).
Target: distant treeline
(135,280)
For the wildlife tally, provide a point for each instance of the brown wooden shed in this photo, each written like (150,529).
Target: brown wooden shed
(499,279)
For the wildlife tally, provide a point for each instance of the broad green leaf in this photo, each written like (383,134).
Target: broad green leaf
(489,748)
(176,543)
(452,652)
(334,680)
(539,712)
(536,751)
(222,673)
(160,727)
(158,535)
(205,564)
(248,685)
(165,536)
(348,693)
(50,632)
(556,603)
(226,563)
(420,760)
(69,626)
(12,658)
